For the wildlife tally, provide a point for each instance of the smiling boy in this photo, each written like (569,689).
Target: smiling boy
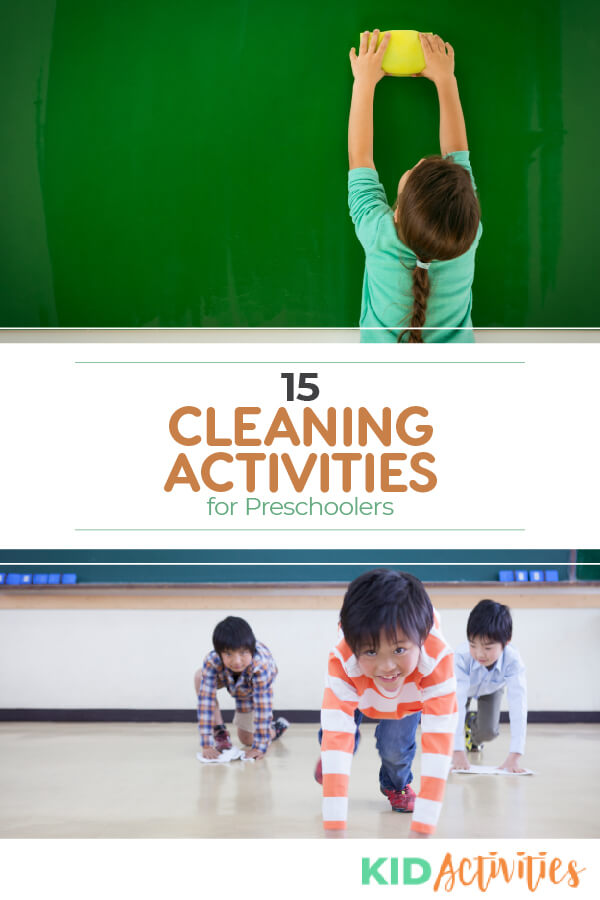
(394,665)
(484,666)
(246,668)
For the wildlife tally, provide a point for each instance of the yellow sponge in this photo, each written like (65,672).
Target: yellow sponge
(404,55)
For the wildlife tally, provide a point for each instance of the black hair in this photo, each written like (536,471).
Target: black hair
(233,633)
(490,620)
(385,600)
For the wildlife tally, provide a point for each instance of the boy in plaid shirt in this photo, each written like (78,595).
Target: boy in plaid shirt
(245,667)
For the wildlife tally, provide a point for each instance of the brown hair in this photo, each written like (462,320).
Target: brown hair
(438,216)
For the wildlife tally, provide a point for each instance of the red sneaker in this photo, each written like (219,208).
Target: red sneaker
(221,736)
(319,772)
(401,801)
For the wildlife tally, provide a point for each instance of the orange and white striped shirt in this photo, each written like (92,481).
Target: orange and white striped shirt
(430,689)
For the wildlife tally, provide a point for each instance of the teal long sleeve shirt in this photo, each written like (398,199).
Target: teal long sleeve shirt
(387,298)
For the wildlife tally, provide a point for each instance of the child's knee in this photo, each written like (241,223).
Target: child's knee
(397,756)
(485,731)
(487,734)
(198,680)
(245,737)
(393,751)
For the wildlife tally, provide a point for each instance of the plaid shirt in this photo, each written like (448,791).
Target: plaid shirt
(252,689)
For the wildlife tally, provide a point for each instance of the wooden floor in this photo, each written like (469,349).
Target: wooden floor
(132,780)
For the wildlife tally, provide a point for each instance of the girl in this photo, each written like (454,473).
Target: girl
(420,255)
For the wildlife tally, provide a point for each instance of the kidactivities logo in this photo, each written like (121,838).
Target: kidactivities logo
(478,872)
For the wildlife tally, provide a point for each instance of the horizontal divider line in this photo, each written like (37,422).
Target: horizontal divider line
(250,528)
(350,563)
(189,715)
(312,362)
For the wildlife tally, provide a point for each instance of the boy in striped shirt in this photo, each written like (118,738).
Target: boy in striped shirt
(394,665)
(246,668)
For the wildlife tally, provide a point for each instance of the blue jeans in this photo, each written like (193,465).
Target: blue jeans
(396,745)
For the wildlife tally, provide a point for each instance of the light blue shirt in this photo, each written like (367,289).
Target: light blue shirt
(475,680)
(387,299)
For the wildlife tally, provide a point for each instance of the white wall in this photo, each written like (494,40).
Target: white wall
(145,659)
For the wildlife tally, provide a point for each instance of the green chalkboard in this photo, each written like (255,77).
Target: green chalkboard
(184,164)
(588,565)
(244,566)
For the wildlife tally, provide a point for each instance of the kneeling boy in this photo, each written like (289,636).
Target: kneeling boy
(245,667)
(484,666)
(392,664)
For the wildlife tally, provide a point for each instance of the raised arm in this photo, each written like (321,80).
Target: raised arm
(367,71)
(439,68)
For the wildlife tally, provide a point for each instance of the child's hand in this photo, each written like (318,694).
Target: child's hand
(459,760)
(366,66)
(511,763)
(253,754)
(210,753)
(439,58)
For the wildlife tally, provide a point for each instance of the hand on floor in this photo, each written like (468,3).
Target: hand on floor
(210,753)
(459,760)
(225,756)
(253,754)
(511,763)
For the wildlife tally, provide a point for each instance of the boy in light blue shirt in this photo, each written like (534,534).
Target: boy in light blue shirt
(484,667)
